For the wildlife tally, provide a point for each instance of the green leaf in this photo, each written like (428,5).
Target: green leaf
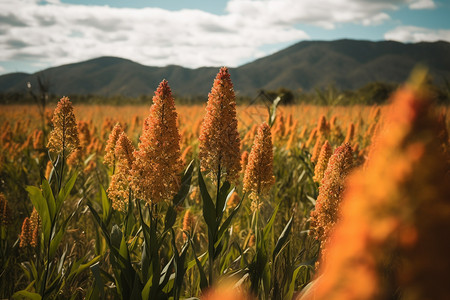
(192,263)
(106,205)
(130,219)
(209,211)
(154,250)
(81,267)
(65,191)
(116,236)
(165,273)
(282,239)
(171,216)
(146,290)
(41,206)
(48,195)
(292,282)
(54,243)
(185,185)
(101,224)
(27,294)
(145,261)
(227,223)
(123,250)
(144,226)
(221,200)
(203,280)
(98,281)
(180,267)
(268,227)
(136,289)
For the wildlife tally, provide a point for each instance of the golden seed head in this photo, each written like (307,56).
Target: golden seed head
(118,190)
(84,133)
(316,149)
(311,138)
(322,125)
(219,138)
(226,291)
(48,169)
(109,159)
(234,200)
(279,127)
(186,155)
(123,152)
(350,133)
(194,195)
(26,235)
(303,133)
(38,140)
(244,160)
(35,237)
(322,162)
(188,220)
(331,190)
(258,177)
(156,170)
(64,136)
(396,208)
(35,219)
(5,213)
(292,140)
(251,240)
(75,158)
(35,225)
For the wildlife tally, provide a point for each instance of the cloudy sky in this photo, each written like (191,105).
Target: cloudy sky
(36,34)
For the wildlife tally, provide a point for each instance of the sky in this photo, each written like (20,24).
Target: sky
(37,34)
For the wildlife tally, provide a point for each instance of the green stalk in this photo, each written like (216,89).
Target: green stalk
(211,255)
(56,214)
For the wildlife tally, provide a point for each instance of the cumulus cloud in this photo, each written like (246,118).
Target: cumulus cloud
(52,33)
(422,4)
(58,33)
(413,34)
(326,13)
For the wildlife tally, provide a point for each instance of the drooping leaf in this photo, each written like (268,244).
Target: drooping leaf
(27,295)
(282,239)
(227,222)
(81,267)
(106,205)
(48,195)
(171,217)
(56,240)
(221,200)
(203,280)
(268,227)
(65,191)
(41,206)
(209,211)
(185,185)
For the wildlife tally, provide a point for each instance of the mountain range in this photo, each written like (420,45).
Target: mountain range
(348,64)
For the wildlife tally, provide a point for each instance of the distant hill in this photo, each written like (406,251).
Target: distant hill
(349,64)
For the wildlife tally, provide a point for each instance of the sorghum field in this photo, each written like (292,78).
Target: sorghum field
(226,202)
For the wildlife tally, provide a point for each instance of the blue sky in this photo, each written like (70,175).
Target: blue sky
(37,34)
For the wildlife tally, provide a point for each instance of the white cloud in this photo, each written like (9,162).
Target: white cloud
(422,4)
(413,34)
(57,33)
(324,13)
(2,70)
(61,33)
